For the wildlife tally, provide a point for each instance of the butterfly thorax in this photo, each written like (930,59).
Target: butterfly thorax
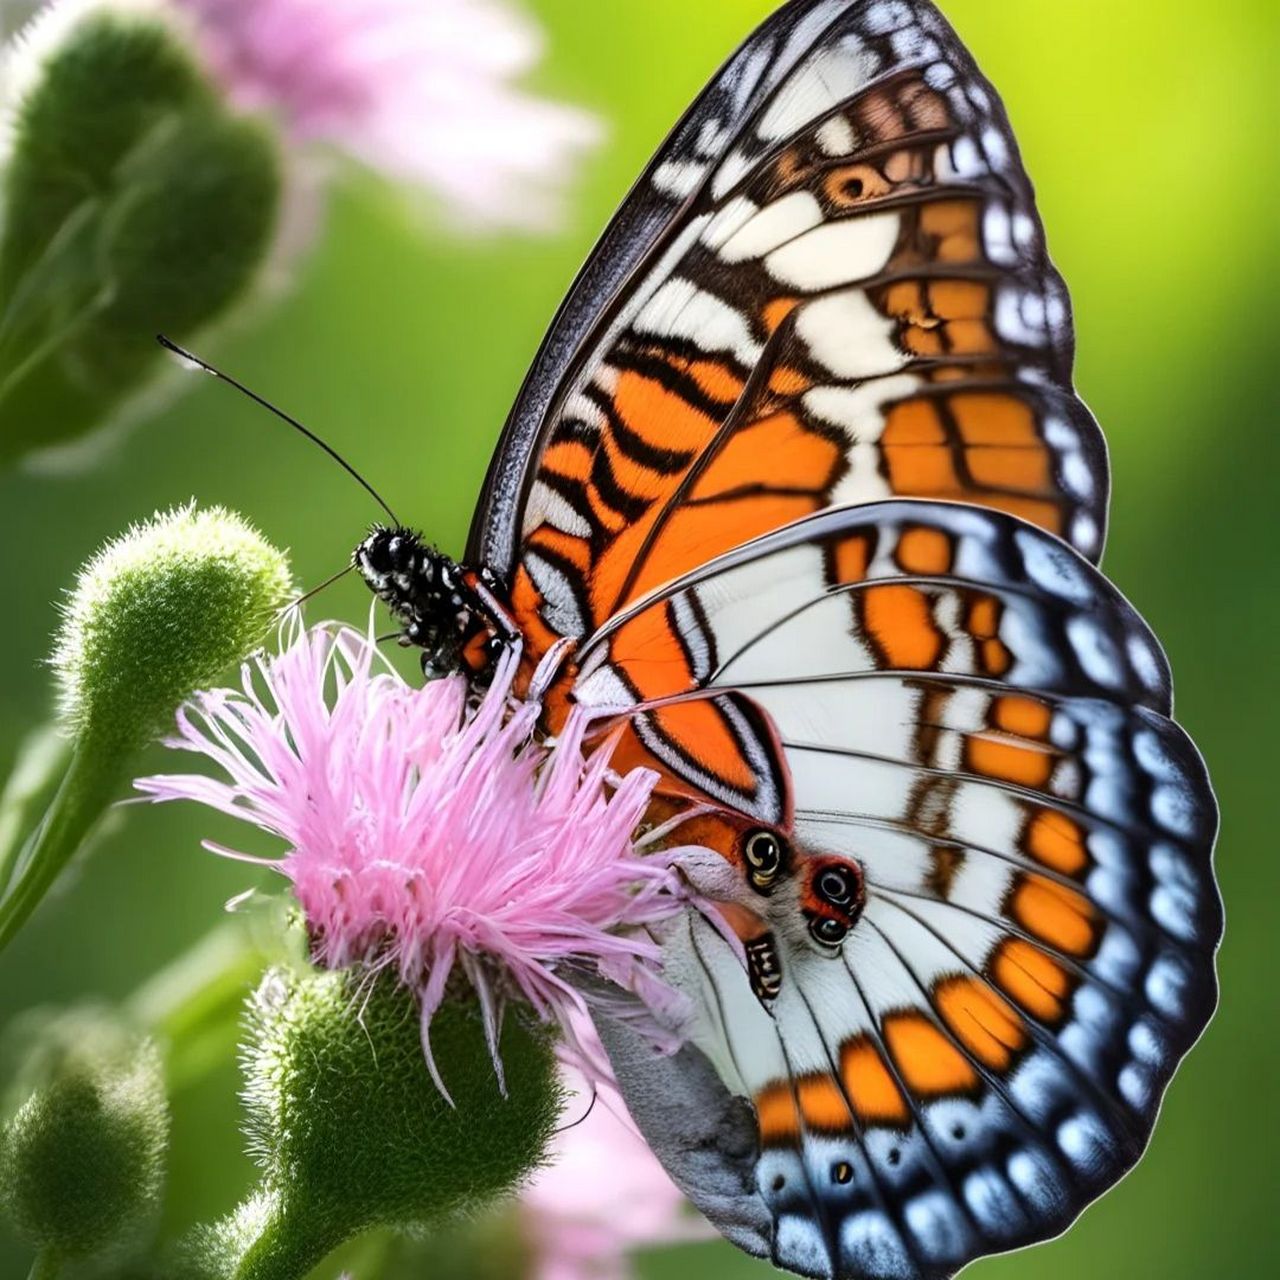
(446,610)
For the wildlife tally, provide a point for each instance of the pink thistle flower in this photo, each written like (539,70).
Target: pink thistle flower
(419,89)
(436,839)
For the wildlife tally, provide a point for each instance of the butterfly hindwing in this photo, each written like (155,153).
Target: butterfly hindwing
(831,286)
(985,1052)
(836,595)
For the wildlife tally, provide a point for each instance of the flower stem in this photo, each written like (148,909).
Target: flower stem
(42,761)
(289,1243)
(76,806)
(47,1266)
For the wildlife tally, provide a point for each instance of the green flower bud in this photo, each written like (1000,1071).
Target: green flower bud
(352,1133)
(155,615)
(133,202)
(82,1158)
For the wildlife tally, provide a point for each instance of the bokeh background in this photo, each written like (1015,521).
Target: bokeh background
(1147,127)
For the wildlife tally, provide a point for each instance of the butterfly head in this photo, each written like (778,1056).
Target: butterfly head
(428,594)
(828,891)
(811,902)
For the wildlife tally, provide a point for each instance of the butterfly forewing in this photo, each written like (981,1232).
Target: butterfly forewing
(830,287)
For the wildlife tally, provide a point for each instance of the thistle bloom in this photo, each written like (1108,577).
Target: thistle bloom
(419,89)
(435,839)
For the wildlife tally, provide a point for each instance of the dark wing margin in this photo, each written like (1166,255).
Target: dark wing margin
(635,237)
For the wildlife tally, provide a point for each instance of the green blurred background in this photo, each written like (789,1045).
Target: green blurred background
(1146,127)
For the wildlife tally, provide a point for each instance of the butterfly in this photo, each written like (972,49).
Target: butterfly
(798,499)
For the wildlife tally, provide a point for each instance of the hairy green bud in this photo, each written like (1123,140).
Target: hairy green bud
(154,616)
(82,1158)
(157,614)
(351,1132)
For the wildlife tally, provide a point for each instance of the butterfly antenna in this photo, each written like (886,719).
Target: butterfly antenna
(591,1106)
(315,591)
(183,354)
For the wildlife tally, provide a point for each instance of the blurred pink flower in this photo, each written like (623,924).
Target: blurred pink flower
(419,89)
(428,837)
(603,1195)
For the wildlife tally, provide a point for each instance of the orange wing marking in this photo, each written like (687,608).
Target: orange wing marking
(874,1092)
(1057,841)
(1032,979)
(928,1063)
(986,1025)
(848,558)
(1059,916)
(983,624)
(1025,717)
(900,623)
(925,551)
(1009,761)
